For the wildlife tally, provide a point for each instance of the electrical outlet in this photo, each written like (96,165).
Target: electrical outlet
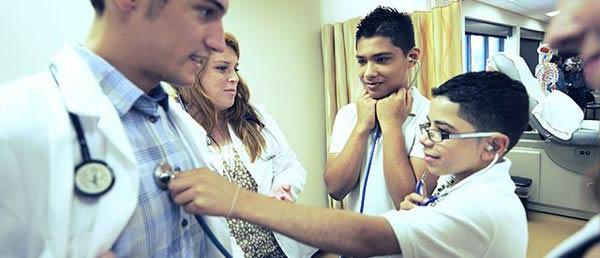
(584,153)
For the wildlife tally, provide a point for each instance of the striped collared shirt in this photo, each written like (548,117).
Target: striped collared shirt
(158,226)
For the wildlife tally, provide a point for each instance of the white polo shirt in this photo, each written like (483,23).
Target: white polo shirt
(377,197)
(480,216)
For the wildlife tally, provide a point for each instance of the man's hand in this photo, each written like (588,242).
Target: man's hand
(412,200)
(283,193)
(365,107)
(202,191)
(393,110)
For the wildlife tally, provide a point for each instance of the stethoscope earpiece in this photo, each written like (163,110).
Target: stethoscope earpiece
(418,65)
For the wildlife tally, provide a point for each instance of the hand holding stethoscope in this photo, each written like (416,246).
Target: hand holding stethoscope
(365,112)
(395,108)
(419,198)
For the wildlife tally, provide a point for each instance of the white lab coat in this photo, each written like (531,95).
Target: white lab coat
(40,215)
(276,166)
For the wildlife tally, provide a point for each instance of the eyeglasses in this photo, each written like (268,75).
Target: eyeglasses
(436,135)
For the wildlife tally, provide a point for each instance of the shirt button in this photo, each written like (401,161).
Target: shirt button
(184,223)
(153,119)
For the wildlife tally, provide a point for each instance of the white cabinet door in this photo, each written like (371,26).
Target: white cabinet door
(526,163)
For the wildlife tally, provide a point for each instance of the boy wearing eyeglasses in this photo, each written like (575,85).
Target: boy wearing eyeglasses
(474,119)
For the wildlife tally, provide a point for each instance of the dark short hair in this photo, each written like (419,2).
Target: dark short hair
(388,22)
(490,101)
(98,6)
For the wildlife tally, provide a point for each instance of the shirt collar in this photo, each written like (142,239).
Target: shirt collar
(489,174)
(159,95)
(121,91)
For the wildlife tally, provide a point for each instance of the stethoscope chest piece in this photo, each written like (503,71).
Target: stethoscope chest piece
(93,178)
(163,173)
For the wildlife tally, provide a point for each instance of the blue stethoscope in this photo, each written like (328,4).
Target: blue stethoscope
(442,192)
(420,189)
(374,137)
(376,133)
(94,178)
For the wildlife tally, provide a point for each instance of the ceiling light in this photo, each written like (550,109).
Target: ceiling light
(553,13)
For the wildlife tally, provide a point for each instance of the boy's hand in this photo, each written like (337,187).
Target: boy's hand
(393,110)
(412,200)
(365,107)
(283,193)
(201,191)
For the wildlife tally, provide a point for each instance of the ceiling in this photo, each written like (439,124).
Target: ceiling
(535,9)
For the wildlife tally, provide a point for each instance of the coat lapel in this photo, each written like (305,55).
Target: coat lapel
(194,136)
(84,97)
(195,140)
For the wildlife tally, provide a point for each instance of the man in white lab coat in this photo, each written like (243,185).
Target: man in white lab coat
(111,84)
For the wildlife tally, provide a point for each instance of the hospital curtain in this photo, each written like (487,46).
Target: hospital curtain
(341,82)
(438,33)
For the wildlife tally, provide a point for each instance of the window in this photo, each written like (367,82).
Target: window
(482,39)
(478,49)
(529,43)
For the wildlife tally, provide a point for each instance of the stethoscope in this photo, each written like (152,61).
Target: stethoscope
(434,198)
(376,133)
(94,178)
(374,137)
(420,189)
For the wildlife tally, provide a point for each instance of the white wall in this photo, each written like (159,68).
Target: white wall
(32,30)
(480,11)
(341,10)
(281,61)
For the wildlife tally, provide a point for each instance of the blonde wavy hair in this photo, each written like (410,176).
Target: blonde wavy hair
(242,116)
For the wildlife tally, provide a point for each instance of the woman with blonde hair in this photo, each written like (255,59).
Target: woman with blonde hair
(247,147)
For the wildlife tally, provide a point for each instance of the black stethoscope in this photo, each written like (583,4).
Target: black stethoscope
(94,178)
